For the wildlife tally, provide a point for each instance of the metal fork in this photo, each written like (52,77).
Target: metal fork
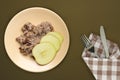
(88,45)
(86,42)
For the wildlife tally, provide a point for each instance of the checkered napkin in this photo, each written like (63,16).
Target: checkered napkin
(101,67)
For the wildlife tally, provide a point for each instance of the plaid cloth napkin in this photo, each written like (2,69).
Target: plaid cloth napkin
(103,68)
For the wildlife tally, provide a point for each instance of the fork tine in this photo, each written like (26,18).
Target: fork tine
(86,37)
(87,40)
(84,40)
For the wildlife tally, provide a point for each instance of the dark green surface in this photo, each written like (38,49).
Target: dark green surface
(81,16)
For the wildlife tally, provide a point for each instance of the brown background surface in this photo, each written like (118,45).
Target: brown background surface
(80,16)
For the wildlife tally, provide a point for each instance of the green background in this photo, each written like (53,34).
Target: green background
(80,16)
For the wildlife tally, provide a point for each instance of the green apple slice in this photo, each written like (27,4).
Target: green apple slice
(58,35)
(44,53)
(51,39)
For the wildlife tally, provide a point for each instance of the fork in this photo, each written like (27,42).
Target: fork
(88,45)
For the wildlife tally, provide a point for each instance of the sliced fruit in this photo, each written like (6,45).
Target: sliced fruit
(44,53)
(56,34)
(51,39)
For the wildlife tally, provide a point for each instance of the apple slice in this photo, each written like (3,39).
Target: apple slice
(58,35)
(51,39)
(44,53)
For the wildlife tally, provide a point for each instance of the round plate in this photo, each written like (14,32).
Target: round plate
(35,15)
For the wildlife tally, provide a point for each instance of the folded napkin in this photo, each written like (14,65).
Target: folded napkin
(103,68)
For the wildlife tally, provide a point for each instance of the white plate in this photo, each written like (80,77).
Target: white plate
(35,15)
